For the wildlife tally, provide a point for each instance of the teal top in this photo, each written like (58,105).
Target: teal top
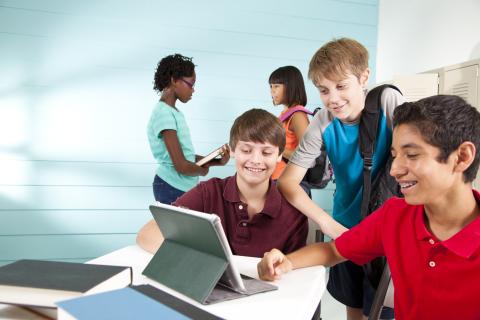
(341,144)
(166,117)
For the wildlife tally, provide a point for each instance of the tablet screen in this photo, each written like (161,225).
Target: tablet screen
(199,231)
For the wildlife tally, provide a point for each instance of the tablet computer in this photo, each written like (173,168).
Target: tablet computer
(204,233)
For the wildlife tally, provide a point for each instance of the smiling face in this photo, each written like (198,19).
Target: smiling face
(422,178)
(345,97)
(255,162)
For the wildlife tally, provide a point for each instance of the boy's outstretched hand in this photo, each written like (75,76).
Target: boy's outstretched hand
(273,264)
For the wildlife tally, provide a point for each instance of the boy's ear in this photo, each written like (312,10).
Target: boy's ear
(364,77)
(232,151)
(465,155)
(279,157)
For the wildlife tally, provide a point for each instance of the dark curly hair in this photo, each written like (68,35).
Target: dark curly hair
(173,66)
(445,122)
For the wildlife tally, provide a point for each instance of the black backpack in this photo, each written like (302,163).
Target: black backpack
(384,186)
(321,174)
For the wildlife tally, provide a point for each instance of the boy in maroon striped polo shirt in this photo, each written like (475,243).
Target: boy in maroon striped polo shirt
(254,214)
(431,238)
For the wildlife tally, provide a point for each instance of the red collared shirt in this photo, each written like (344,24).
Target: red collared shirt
(433,279)
(279,225)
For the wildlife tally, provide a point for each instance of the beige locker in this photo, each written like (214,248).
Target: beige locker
(417,86)
(463,82)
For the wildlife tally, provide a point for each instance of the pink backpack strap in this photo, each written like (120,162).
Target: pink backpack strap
(292,110)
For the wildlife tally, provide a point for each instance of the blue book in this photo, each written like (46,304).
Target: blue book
(135,302)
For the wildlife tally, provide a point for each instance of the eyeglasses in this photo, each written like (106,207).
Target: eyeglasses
(188,83)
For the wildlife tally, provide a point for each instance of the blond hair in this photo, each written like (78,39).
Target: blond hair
(335,59)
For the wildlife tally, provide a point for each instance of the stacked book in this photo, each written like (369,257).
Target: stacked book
(65,290)
(39,284)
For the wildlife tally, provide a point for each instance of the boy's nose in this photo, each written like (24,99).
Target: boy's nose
(333,97)
(397,169)
(256,157)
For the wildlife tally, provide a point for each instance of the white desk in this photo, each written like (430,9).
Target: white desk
(297,297)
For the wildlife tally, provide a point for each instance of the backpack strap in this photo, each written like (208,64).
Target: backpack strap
(292,110)
(367,136)
(314,112)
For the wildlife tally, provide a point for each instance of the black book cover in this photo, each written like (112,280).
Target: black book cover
(56,275)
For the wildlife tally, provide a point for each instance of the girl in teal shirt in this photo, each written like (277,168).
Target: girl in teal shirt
(168,132)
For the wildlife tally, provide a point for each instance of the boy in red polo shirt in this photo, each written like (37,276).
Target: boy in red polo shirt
(254,214)
(431,238)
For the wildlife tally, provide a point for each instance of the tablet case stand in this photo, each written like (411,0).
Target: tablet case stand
(188,271)
(196,274)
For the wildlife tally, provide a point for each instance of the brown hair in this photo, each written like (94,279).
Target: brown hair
(336,58)
(258,125)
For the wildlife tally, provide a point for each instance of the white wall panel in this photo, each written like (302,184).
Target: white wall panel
(415,36)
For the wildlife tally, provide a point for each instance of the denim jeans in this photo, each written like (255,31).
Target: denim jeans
(163,192)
